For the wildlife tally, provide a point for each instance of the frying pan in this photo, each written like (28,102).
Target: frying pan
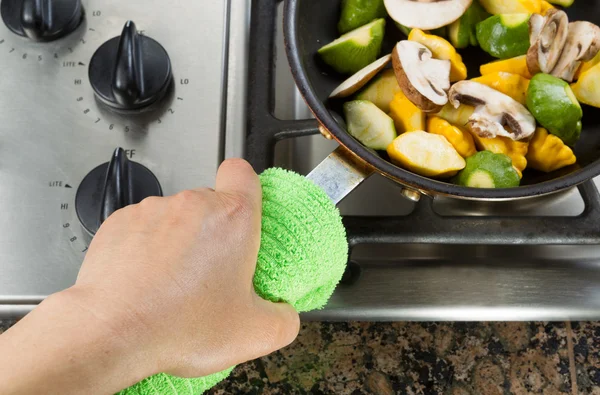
(310,24)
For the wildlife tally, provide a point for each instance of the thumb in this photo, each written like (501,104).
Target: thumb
(236,177)
(280,324)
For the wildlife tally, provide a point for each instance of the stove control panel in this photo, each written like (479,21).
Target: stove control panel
(102,103)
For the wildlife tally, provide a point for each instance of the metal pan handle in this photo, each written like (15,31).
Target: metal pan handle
(339,174)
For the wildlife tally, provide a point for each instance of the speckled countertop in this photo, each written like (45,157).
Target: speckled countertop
(428,358)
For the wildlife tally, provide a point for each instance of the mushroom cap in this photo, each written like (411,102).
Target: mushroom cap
(582,44)
(547,36)
(426,14)
(425,81)
(496,114)
(360,79)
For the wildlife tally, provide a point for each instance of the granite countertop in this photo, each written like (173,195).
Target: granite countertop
(427,358)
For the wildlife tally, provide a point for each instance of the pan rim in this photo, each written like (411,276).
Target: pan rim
(402,176)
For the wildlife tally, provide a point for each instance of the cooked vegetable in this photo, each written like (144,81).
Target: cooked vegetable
(404,29)
(585,66)
(381,90)
(360,79)
(463,32)
(562,3)
(356,49)
(548,36)
(427,154)
(504,36)
(515,150)
(456,116)
(423,80)
(512,85)
(407,117)
(488,170)
(548,153)
(517,65)
(582,45)
(442,49)
(497,7)
(441,32)
(426,14)
(546,7)
(434,128)
(587,88)
(369,125)
(493,111)
(357,13)
(553,104)
(460,139)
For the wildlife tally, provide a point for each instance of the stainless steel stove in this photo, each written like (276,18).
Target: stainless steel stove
(54,132)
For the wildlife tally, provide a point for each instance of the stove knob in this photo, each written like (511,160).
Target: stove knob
(130,72)
(112,186)
(42,20)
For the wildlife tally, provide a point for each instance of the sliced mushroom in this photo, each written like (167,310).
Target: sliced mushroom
(425,81)
(583,43)
(360,79)
(426,14)
(496,114)
(536,23)
(548,36)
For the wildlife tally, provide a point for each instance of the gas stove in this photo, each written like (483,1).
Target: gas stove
(229,93)
(435,259)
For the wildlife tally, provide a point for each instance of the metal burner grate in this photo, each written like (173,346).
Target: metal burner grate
(423,225)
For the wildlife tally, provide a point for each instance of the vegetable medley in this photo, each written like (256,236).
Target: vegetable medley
(522,112)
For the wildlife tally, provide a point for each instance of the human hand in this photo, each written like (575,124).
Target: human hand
(175,273)
(166,286)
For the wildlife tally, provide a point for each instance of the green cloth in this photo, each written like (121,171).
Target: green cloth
(302,258)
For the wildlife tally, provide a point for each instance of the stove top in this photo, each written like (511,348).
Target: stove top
(232,94)
(438,259)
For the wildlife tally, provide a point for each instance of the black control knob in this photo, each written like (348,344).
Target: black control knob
(112,186)
(42,20)
(130,72)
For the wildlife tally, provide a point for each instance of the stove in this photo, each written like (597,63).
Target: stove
(231,94)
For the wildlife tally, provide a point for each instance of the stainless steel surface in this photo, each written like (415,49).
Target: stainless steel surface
(52,130)
(448,282)
(338,175)
(237,78)
(411,195)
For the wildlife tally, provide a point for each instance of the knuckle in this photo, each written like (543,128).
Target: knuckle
(148,203)
(147,207)
(290,327)
(294,325)
(188,206)
(237,206)
(281,331)
(187,196)
(189,199)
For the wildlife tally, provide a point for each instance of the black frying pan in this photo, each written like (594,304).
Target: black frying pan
(310,24)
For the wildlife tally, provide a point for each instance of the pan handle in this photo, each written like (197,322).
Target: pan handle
(339,174)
